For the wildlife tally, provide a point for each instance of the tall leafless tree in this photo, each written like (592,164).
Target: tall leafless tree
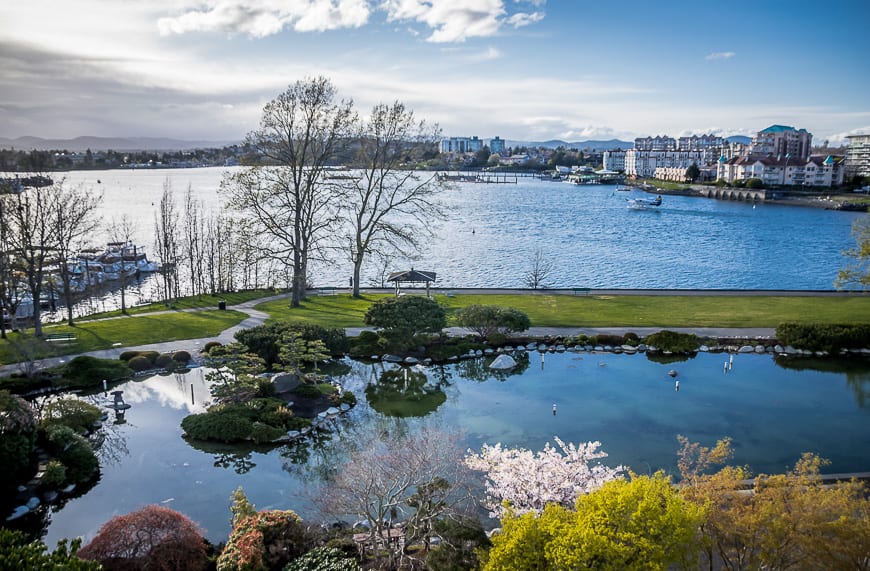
(288,197)
(538,274)
(193,228)
(390,206)
(165,231)
(122,231)
(33,240)
(10,274)
(74,220)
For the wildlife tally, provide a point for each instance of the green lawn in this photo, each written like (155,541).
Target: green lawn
(204,301)
(129,331)
(608,311)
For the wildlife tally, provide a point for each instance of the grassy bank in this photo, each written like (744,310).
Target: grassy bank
(608,311)
(128,331)
(205,301)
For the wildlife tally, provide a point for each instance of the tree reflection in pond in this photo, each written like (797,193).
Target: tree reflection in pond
(235,456)
(478,369)
(404,392)
(857,371)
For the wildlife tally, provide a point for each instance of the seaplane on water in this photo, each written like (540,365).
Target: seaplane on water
(644,203)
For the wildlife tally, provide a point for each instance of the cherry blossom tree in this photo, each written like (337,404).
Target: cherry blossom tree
(527,481)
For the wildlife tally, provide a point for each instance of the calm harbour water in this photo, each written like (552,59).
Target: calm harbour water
(629,403)
(587,232)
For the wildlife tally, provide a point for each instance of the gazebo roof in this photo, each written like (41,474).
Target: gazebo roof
(411,275)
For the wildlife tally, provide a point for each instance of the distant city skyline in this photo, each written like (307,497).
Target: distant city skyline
(530,70)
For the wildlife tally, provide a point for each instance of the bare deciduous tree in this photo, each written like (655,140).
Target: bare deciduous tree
(538,275)
(74,221)
(165,230)
(390,206)
(288,198)
(418,475)
(121,231)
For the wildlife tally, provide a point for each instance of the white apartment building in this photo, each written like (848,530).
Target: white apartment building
(858,156)
(700,143)
(657,143)
(773,171)
(461,145)
(614,160)
(643,164)
(781,140)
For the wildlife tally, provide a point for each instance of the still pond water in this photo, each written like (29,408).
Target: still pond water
(629,403)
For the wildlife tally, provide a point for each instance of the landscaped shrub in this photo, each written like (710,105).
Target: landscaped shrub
(17,551)
(87,371)
(267,540)
(265,340)
(150,355)
(153,537)
(323,559)
(674,342)
(127,355)
(819,337)
(181,357)
(73,451)
(17,439)
(401,318)
(607,339)
(164,361)
(209,346)
(630,338)
(487,320)
(217,425)
(262,433)
(75,413)
(140,363)
(54,475)
(307,390)
(754,183)
(366,343)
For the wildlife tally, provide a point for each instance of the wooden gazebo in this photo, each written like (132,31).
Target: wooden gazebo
(411,276)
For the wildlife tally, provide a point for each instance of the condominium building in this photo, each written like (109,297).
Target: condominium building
(786,171)
(643,164)
(781,141)
(700,143)
(614,160)
(496,146)
(858,156)
(461,145)
(657,143)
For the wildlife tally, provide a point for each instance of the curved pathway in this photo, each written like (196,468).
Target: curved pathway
(256,317)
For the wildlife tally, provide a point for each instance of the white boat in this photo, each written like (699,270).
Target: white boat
(644,203)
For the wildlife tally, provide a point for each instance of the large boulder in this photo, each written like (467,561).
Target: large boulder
(285,382)
(503,362)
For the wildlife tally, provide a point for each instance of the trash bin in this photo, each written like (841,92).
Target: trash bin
(222,304)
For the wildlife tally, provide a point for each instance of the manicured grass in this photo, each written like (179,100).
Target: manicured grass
(129,331)
(205,301)
(608,311)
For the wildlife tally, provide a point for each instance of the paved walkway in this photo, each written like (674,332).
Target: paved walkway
(256,317)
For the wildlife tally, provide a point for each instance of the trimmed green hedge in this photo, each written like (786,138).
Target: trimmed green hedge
(819,337)
(674,342)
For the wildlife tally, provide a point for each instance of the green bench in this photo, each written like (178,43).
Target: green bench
(60,337)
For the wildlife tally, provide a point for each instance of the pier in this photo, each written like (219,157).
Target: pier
(486,177)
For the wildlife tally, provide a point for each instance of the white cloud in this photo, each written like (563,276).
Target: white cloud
(720,55)
(268,17)
(521,19)
(457,20)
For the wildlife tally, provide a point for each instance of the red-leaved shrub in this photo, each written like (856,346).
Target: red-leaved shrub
(153,537)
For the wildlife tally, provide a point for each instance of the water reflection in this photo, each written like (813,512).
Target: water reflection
(478,369)
(404,392)
(857,371)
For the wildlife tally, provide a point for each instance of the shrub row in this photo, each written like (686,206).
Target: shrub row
(265,340)
(818,337)
(145,360)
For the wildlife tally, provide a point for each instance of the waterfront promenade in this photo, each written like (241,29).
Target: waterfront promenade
(256,317)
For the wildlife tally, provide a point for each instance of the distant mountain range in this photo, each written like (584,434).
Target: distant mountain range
(555,143)
(122,144)
(119,144)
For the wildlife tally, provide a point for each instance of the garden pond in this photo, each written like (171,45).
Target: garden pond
(774,408)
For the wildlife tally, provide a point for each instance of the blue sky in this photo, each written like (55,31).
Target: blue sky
(520,69)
